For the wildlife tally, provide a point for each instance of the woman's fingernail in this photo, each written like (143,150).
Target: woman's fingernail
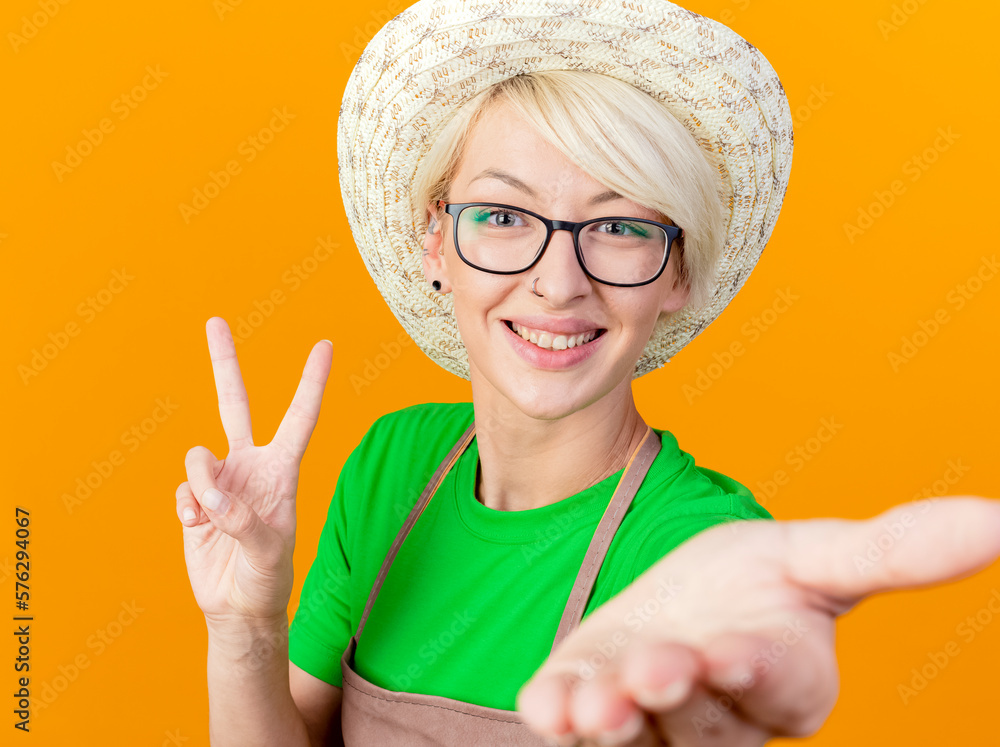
(214,500)
(660,700)
(189,514)
(627,731)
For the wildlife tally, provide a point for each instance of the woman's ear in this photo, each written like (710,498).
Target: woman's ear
(435,267)
(677,298)
(680,292)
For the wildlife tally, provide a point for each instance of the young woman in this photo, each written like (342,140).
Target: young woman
(549,231)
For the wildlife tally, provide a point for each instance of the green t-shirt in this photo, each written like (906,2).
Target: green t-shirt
(472,602)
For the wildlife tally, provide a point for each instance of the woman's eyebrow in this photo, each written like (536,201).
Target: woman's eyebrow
(494,173)
(603,197)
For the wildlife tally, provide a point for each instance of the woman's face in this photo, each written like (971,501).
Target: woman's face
(506,161)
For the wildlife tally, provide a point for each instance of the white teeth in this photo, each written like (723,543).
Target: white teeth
(551,341)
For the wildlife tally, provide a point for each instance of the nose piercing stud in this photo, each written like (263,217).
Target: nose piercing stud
(533,283)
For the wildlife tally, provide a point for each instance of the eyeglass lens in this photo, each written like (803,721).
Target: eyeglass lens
(507,240)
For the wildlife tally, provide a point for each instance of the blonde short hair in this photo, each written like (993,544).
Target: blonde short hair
(620,136)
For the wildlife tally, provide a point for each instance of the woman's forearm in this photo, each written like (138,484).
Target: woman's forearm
(250,702)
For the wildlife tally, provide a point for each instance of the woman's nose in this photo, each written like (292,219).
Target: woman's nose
(560,276)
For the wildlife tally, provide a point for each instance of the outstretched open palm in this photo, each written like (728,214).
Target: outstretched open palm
(728,640)
(239,512)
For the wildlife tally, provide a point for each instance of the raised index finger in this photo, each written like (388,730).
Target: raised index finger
(300,419)
(234,407)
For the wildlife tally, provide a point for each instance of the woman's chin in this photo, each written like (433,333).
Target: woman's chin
(548,408)
(543,396)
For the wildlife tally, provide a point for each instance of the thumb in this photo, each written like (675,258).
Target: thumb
(910,545)
(234,517)
(228,513)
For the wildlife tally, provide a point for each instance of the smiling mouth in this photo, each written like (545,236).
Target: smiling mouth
(552,341)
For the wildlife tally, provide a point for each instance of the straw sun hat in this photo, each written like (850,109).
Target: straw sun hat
(435,55)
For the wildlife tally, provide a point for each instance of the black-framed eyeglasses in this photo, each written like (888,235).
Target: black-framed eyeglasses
(507,240)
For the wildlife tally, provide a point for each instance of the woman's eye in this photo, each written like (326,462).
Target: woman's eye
(620,228)
(504,218)
(499,218)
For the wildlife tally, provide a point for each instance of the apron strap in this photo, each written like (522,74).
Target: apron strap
(628,486)
(418,508)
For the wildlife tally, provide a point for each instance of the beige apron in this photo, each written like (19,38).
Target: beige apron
(373,716)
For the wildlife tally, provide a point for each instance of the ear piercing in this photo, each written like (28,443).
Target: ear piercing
(436,285)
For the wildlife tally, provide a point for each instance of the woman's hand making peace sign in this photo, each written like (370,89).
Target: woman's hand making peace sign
(239,512)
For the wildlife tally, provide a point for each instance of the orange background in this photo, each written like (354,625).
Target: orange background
(867,100)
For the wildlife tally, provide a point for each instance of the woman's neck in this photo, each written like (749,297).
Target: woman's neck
(526,462)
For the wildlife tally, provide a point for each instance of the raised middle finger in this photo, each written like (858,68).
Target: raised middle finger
(300,419)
